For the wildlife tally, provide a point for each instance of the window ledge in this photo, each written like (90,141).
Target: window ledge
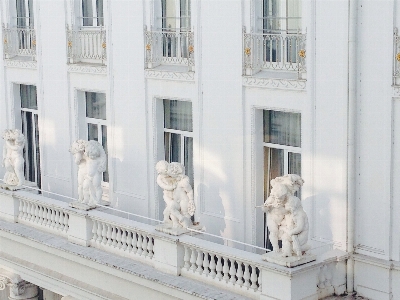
(87,68)
(20,62)
(276,80)
(170,72)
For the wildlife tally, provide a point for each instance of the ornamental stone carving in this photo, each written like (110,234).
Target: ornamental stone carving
(92,161)
(13,160)
(287,221)
(178,198)
(19,289)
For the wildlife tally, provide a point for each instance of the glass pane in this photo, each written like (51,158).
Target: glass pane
(87,13)
(282,128)
(274,165)
(100,14)
(188,159)
(95,105)
(28,96)
(105,146)
(93,132)
(29,151)
(37,153)
(168,14)
(21,13)
(294,15)
(185,14)
(294,163)
(175,150)
(178,115)
(167,145)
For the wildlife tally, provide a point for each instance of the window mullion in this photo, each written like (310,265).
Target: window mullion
(286,162)
(182,160)
(34,145)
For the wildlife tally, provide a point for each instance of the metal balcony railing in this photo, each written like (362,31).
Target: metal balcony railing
(169,48)
(87,45)
(396,57)
(274,51)
(19,42)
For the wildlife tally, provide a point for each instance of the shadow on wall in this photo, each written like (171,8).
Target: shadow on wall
(215,210)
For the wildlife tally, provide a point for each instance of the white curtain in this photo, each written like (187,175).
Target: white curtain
(178,115)
(282,128)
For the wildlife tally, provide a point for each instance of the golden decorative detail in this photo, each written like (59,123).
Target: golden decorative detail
(148,47)
(398,56)
(302,53)
(5,41)
(191,49)
(247,51)
(104,45)
(69,44)
(34,42)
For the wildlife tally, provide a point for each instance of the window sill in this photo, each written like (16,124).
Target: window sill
(87,68)
(170,72)
(276,80)
(23,62)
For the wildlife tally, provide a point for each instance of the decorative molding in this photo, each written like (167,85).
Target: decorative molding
(396,91)
(370,249)
(11,63)
(288,84)
(168,75)
(76,68)
(129,194)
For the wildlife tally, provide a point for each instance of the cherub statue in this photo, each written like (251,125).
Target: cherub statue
(13,159)
(168,184)
(274,206)
(92,162)
(295,229)
(96,164)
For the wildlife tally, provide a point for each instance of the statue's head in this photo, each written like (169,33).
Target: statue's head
(93,149)
(77,146)
(162,167)
(296,182)
(18,137)
(279,191)
(175,169)
(7,135)
(293,204)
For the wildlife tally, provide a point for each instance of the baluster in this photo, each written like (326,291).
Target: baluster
(99,231)
(24,209)
(259,281)
(219,267)
(114,237)
(21,209)
(94,231)
(28,211)
(199,262)
(150,246)
(134,242)
(61,221)
(144,246)
(239,273)
(109,234)
(139,244)
(119,244)
(48,217)
(129,241)
(253,278)
(206,263)
(57,219)
(104,234)
(66,222)
(53,217)
(225,269)
(193,260)
(123,239)
(246,275)
(232,272)
(41,212)
(186,258)
(36,213)
(212,266)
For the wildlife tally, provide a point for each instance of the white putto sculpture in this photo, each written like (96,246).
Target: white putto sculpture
(287,221)
(178,197)
(92,161)
(13,160)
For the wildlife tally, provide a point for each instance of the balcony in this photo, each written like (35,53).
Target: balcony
(170,50)
(87,45)
(19,43)
(276,56)
(126,252)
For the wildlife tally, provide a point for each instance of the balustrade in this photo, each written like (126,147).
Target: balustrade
(19,42)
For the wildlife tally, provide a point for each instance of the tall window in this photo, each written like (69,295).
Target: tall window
(24,13)
(282,148)
(280,16)
(178,134)
(30,129)
(92,13)
(97,122)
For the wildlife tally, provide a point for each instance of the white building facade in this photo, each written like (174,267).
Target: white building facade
(239,92)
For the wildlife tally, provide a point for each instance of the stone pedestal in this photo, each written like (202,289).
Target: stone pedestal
(81,206)
(167,228)
(291,261)
(168,256)
(80,228)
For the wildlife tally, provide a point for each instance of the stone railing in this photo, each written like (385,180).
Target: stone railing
(274,52)
(87,45)
(238,271)
(19,42)
(169,48)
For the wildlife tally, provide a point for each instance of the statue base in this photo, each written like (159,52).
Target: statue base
(13,188)
(167,228)
(291,261)
(81,206)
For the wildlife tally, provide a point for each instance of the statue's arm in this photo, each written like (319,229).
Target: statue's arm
(163,185)
(188,188)
(299,224)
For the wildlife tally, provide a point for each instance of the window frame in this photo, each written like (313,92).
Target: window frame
(94,12)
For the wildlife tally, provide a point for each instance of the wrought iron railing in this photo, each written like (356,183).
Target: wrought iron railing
(396,57)
(271,51)
(19,41)
(169,48)
(87,45)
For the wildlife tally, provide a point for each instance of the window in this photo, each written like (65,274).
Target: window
(97,122)
(92,13)
(24,13)
(178,134)
(282,149)
(30,129)
(279,16)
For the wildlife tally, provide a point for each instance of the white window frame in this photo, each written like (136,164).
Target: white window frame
(29,13)
(94,16)
(182,134)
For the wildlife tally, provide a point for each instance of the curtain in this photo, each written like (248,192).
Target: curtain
(28,96)
(294,15)
(95,105)
(87,13)
(21,13)
(185,11)
(282,128)
(178,115)
(100,13)
(188,161)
